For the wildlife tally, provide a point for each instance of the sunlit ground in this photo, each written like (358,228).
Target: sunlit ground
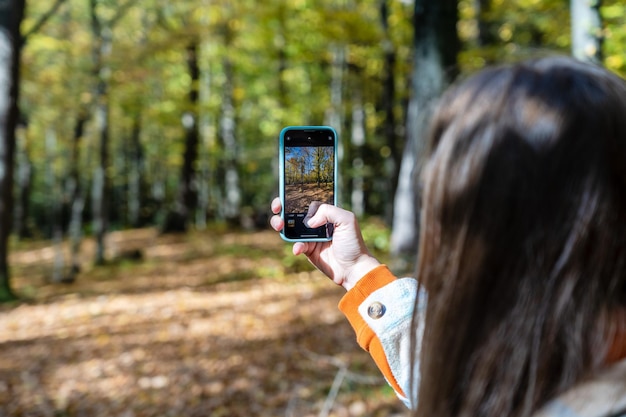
(205,324)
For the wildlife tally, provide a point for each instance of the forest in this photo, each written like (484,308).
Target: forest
(138,158)
(309,165)
(136,113)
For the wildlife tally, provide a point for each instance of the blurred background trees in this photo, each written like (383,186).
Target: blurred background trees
(147,113)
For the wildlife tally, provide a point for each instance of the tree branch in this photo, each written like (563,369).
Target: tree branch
(42,20)
(334,390)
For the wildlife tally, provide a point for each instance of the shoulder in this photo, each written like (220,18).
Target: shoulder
(603,395)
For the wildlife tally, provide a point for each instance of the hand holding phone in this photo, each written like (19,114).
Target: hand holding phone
(345,259)
(308,178)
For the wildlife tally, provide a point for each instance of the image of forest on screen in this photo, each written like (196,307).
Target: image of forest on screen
(309,176)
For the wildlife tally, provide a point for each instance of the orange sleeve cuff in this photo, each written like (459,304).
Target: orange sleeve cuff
(349,304)
(365,336)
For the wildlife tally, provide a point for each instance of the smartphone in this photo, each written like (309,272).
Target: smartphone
(308,177)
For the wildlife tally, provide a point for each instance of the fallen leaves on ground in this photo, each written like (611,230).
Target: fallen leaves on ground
(204,324)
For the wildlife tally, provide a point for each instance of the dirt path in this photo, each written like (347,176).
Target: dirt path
(204,325)
(306,194)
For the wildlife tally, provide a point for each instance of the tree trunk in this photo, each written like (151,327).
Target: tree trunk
(100,190)
(11,15)
(436,45)
(333,115)
(103,41)
(54,207)
(587,38)
(135,175)
(390,130)
(75,192)
(231,205)
(281,44)
(23,181)
(204,173)
(177,219)
(204,158)
(487,31)
(357,196)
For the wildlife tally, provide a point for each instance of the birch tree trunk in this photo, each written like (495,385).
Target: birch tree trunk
(102,32)
(587,35)
(204,156)
(231,204)
(436,45)
(333,116)
(357,194)
(11,16)
(102,35)
(100,190)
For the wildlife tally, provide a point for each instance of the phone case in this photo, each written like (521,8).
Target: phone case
(281,157)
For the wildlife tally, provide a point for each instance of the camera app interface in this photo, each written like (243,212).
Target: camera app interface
(309,176)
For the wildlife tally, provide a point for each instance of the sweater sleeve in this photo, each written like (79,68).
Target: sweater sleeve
(380,310)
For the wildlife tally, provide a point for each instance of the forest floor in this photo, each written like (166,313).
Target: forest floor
(306,193)
(204,324)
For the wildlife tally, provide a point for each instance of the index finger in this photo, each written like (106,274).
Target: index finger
(276,206)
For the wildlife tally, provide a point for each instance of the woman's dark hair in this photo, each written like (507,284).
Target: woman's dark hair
(523,240)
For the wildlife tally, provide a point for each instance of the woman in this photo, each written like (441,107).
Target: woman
(522,251)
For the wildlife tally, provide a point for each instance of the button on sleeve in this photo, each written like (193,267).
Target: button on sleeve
(376,310)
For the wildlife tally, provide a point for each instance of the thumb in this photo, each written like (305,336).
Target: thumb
(326,213)
(313,208)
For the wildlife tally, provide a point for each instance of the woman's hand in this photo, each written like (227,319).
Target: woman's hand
(345,259)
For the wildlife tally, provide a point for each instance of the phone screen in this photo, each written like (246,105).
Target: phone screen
(308,178)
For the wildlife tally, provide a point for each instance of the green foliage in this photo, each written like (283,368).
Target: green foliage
(614,15)
(376,235)
(275,57)
(517,29)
